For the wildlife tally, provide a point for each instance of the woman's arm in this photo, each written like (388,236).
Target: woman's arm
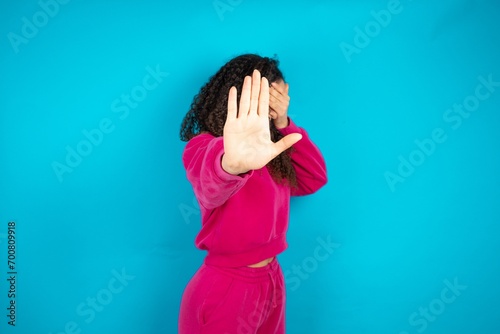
(308,162)
(218,167)
(212,185)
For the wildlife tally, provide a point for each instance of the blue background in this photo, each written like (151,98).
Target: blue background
(126,209)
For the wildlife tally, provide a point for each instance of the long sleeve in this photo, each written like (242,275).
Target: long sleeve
(202,161)
(308,162)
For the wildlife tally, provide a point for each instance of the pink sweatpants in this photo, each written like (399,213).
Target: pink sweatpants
(243,300)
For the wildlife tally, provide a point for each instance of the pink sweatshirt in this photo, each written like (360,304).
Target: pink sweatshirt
(245,217)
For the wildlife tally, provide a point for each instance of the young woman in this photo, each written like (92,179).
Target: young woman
(242,166)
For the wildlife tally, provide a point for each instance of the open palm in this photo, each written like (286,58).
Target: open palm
(247,137)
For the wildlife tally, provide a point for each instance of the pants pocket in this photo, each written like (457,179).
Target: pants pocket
(216,298)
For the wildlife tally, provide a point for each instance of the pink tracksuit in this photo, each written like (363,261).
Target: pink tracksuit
(244,221)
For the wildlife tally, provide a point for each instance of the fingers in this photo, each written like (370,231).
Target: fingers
(286,142)
(256,88)
(273,99)
(232,104)
(278,105)
(245,96)
(264,98)
(279,89)
(254,96)
(278,96)
(273,114)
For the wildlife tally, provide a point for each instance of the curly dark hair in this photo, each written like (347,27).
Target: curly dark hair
(209,107)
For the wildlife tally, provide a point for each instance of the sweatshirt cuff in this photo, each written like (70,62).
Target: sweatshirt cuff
(219,171)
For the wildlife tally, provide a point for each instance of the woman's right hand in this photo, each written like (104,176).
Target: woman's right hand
(247,136)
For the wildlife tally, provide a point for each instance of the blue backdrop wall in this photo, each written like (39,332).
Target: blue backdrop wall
(402,97)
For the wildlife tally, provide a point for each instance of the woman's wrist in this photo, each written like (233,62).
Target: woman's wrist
(283,123)
(230,167)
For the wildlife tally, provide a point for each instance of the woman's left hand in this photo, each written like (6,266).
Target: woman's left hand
(278,104)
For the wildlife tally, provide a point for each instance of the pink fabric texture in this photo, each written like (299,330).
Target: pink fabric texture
(244,300)
(245,217)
